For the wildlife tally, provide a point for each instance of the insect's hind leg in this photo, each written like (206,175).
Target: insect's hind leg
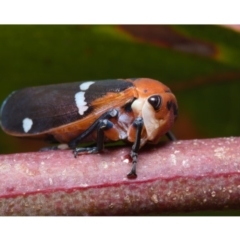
(61,146)
(58,146)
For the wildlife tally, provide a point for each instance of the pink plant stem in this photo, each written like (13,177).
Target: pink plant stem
(179,176)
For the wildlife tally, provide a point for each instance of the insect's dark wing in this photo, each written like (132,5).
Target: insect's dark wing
(37,109)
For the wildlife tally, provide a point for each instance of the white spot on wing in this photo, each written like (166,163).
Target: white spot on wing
(84,86)
(27,124)
(80,97)
(80,101)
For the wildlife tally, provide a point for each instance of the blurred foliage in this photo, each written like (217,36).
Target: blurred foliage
(206,83)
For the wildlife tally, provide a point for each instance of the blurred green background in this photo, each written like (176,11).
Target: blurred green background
(201,64)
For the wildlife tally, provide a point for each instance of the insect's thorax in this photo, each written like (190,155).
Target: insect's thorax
(124,120)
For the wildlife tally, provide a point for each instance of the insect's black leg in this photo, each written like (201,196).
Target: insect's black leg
(138,123)
(110,114)
(171,136)
(100,125)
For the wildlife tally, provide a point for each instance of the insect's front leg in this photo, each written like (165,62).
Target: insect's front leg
(138,123)
(171,136)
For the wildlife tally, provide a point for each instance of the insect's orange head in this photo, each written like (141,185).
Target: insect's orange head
(157,105)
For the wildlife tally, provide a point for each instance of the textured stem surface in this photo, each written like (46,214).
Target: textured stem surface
(179,176)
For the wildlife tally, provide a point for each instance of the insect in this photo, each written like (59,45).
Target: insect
(137,110)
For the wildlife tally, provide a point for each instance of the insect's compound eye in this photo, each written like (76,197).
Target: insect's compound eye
(155,101)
